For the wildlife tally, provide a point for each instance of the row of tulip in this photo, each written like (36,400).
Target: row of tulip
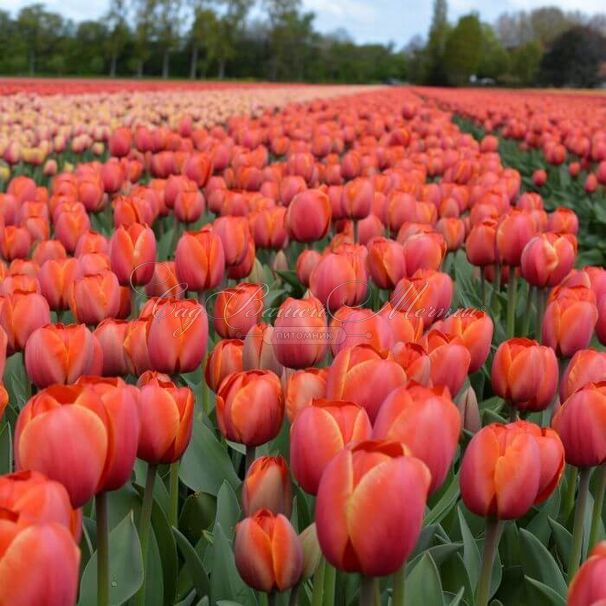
(321,355)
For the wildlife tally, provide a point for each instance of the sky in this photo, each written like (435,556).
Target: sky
(365,20)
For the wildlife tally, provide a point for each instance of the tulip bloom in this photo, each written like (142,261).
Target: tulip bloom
(360,374)
(20,315)
(449,359)
(547,259)
(267,485)
(306,263)
(501,472)
(268,552)
(60,354)
(340,278)
(258,352)
(302,387)
(167,414)
(95,297)
(411,413)
(133,254)
(586,366)
(385,262)
(423,251)
(235,236)
(319,432)
(569,320)
(250,407)
(177,335)
(525,374)
(238,309)
(225,358)
(308,216)
(514,231)
(200,260)
(357,198)
(481,243)
(82,435)
(267,228)
(581,424)
(56,277)
(474,328)
(588,587)
(300,334)
(361,524)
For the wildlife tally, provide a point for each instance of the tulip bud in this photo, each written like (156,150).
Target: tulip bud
(177,335)
(133,254)
(581,424)
(547,259)
(308,216)
(20,315)
(481,243)
(588,587)
(225,358)
(467,403)
(306,262)
(302,387)
(237,309)
(95,297)
(312,554)
(250,407)
(200,260)
(586,366)
(267,485)
(409,413)
(60,354)
(348,500)
(525,374)
(235,236)
(259,352)
(385,262)
(500,472)
(268,552)
(514,231)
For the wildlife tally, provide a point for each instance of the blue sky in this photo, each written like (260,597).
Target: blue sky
(365,20)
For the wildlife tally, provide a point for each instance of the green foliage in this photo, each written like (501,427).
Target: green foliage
(463,51)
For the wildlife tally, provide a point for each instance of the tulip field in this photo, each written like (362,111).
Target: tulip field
(301,345)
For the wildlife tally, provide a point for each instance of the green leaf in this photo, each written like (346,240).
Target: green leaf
(226,582)
(193,564)
(6,448)
(198,514)
(423,584)
(471,553)
(539,564)
(167,548)
(562,538)
(125,566)
(447,501)
(206,463)
(228,509)
(546,591)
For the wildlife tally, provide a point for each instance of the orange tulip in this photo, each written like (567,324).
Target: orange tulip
(167,414)
(133,254)
(235,236)
(306,262)
(95,297)
(300,335)
(366,483)
(481,243)
(20,315)
(514,231)
(15,242)
(547,259)
(449,359)
(360,374)
(409,414)
(60,354)
(569,320)
(302,387)
(357,198)
(56,277)
(267,485)
(259,352)
(308,216)
(80,435)
(237,309)
(586,366)
(385,262)
(501,472)
(177,334)
(267,228)
(268,552)
(423,251)
(581,424)
(319,432)
(200,260)
(525,374)
(250,407)
(225,358)
(588,587)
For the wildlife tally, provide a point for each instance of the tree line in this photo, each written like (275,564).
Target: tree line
(278,41)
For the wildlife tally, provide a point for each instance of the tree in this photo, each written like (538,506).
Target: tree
(436,44)
(230,25)
(463,50)
(524,62)
(168,26)
(495,60)
(548,23)
(204,36)
(117,23)
(574,58)
(144,30)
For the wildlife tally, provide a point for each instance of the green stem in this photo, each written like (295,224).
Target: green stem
(271,598)
(368,591)
(318,584)
(579,517)
(526,319)
(483,286)
(174,494)
(571,488)
(330,577)
(356,232)
(541,303)
(491,545)
(598,503)
(145,526)
(513,413)
(250,457)
(511,302)
(496,285)
(398,586)
(101,515)
(293,600)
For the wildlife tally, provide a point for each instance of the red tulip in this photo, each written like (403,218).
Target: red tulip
(95,297)
(586,366)
(237,309)
(267,485)
(200,260)
(514,231)
(302,387)
(259,352)
(385,262)
(547,259)
(308,216)
(366,483)
(133,254)
(20,315)
(588,587)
